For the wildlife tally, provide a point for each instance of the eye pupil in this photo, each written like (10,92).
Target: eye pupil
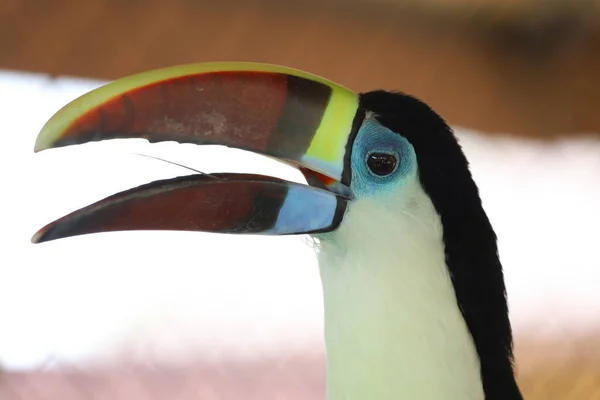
(381,164)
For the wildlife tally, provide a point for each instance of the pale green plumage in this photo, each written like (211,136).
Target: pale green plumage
(393,329)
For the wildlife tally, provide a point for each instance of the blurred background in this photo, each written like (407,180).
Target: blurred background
(176,315)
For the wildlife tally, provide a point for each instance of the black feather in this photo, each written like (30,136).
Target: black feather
(470,241)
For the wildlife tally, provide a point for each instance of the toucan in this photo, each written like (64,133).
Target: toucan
(415,304)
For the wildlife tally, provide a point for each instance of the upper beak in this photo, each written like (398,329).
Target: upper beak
(298,118)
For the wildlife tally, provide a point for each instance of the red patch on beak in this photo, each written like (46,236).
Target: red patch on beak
(325,180)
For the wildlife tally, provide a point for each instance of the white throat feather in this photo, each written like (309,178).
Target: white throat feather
(393,328)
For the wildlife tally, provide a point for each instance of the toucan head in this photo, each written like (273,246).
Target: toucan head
(373,162)
(344,143)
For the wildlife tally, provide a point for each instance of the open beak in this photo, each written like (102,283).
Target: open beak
(295,117)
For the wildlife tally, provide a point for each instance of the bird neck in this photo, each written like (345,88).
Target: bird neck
(393,329)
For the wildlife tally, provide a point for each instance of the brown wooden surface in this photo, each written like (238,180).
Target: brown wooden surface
(497,66)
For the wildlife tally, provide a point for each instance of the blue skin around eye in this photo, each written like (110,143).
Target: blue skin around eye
(374,137)
(304,209)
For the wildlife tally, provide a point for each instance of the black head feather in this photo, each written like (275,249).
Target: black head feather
(470,241)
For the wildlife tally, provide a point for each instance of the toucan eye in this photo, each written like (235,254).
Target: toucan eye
(382,164)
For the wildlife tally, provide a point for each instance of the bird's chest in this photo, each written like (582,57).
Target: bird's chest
(394,331)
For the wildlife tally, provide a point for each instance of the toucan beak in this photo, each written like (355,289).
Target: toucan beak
(295,117)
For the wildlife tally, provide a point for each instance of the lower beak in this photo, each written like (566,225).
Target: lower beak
(297,118)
